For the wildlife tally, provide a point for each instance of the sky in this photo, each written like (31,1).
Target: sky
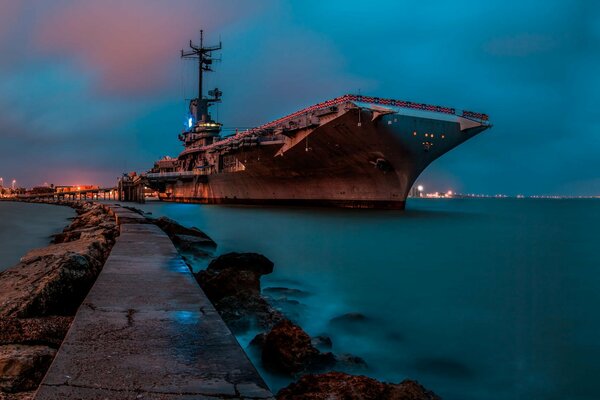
(90,89)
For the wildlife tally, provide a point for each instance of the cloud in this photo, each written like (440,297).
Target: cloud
(129,44)
(79,76)
(9,10)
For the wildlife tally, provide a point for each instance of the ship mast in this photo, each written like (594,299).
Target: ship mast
(205,59)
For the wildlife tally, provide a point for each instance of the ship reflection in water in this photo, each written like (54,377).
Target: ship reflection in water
(475,298)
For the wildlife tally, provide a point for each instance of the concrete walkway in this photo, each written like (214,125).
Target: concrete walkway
(147,331)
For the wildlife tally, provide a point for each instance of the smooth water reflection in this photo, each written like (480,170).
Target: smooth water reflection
(477,298)
(26,226)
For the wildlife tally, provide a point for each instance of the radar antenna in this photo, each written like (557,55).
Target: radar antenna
(205,59)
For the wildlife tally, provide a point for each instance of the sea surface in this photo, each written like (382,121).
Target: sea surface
(474,298)
(25,226)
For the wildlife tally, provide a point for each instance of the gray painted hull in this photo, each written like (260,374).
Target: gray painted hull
(355,159)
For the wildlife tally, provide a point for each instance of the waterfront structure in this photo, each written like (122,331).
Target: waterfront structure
(351,151)
(75,188)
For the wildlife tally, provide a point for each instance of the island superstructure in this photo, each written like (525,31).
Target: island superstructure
(350,151)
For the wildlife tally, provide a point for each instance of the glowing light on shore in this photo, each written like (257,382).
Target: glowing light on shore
(420,188)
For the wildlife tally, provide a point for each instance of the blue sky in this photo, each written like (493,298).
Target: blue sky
(90,89)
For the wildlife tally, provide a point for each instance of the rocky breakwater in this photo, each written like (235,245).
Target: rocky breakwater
(338,385)
(232,283)
(40,295)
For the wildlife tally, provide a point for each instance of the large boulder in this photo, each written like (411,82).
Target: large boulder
(243,313)
(190,242)
(18,396)
(341,386)
(180,233)
(229,283)
(232,283)
(22,368)
(90,216)
(94,249)
(252,262)
(50,285)
(288,349)
(46,330)
(234,274)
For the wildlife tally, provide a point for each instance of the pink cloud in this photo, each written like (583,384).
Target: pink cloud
(9,11)
(131,45)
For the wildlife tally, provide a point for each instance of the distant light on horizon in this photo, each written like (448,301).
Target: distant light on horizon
(420,188)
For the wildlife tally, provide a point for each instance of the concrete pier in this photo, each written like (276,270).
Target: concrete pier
(147,331)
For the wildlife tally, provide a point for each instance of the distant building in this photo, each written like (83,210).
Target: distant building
(41,190)
(66,189)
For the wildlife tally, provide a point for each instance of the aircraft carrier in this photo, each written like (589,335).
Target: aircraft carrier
(351,151)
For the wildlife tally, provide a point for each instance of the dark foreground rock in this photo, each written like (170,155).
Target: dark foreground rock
(234,274)
(192,243)
(53,283)
(23,367)
(232,283)
(45,330)
(288,349)
(40,295)
(181,235)
(341,386)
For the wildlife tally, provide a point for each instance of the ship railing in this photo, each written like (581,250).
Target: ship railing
(258,131)
(182,174)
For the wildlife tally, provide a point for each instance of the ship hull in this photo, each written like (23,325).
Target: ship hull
(376,204)
(357,159)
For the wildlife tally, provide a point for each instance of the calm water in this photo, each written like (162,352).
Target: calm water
(476,299)
(27,226)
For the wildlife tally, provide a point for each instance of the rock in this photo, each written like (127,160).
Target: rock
(253,262)
(189,241)
(94,249)
(18,396)
(258,341)
(338,385)
(232,283)
(94,216)
(22,367)
(322,342)
(243,313)
(229,283)
(197,247)
(288,349)
(108,230)
(47,330)
(53,284)
(172,228)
